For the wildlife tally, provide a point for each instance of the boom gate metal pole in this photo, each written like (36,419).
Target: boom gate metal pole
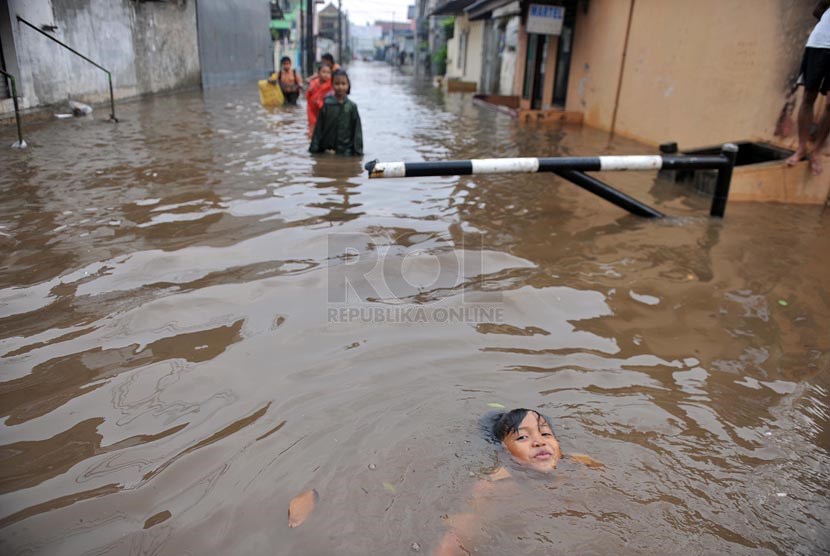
(572,168)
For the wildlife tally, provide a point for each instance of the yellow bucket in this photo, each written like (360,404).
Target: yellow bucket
(270,94)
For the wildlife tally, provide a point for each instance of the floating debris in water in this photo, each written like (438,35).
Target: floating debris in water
(783,302)
(587,460)
(79,108)
(372,466)
(496,405)
(644,298)
(390,487)
(157,518)
(416,547)
(301,507)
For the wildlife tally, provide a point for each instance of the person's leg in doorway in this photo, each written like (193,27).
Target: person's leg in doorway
(805,121)
(816,163)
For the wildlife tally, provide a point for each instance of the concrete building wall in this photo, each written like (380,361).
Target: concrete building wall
(700,72)
(475,51)
(521,62)
(552,47)
(491,58)
(166,46)
(234,41)
(464,63)
(596,60)
(148,47)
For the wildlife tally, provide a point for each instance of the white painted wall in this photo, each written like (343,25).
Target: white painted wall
(509,56)
(453,66)
(465,50)
(475,52)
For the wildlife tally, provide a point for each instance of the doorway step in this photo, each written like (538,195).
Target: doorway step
(512,105)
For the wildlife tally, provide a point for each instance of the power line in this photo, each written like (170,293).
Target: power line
(373,7)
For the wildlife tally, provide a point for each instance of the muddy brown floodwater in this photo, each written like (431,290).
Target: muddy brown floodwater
(199,321)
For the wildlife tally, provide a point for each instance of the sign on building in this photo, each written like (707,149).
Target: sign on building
(545,20)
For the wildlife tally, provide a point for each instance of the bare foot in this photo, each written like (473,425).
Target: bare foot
(816,165)
(797,157)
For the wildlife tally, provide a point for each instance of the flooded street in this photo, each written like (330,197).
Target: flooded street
(179,359)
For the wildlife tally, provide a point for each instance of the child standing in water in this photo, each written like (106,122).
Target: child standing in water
(338,126)
(288,80)
(328,60)
(318,88)
(528,437)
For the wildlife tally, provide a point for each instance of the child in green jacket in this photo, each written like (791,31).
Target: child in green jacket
(338,124)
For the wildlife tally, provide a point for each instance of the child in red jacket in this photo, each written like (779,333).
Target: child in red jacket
(318,89)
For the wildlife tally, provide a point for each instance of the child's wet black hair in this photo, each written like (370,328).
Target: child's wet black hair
(342,73)
(284,59)
(505,423)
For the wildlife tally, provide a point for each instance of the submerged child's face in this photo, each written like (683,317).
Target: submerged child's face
(341,86)
(533,443)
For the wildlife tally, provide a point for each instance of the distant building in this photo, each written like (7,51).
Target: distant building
(333,28)
(286,30)
(397,38)
(329,17)
(366,41)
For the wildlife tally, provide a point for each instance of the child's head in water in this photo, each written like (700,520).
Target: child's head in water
(529,438)
(341,84)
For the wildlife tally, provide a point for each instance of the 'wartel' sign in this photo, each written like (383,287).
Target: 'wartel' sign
(545,20)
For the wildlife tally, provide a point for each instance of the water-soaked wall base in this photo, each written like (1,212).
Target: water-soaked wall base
(699,72)
(779,183)
(234,41)
(148,46)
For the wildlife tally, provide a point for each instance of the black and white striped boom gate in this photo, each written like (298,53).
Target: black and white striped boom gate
(573,169)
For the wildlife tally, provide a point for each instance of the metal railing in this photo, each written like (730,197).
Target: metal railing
(73,51)
(573,168)
(21,144)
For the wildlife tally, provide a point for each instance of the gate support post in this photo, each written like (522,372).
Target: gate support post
(608,193)
(21,144)
(730,151)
